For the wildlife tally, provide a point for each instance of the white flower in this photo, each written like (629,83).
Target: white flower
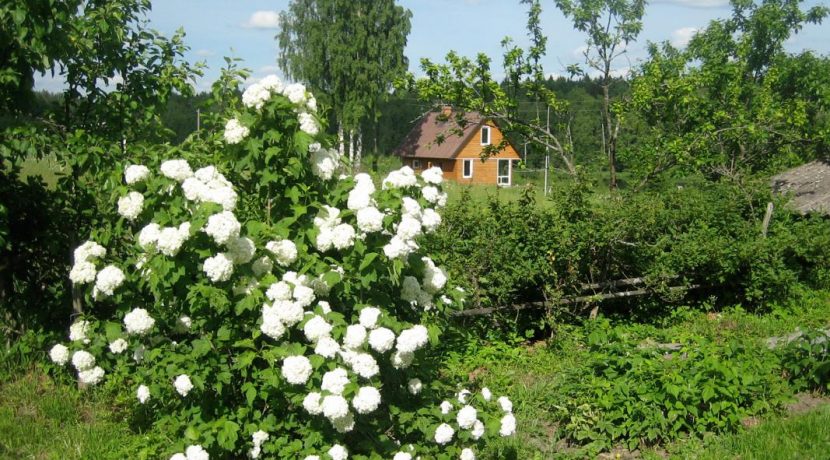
(338,452)
(178,456)
(279,291)
(508,425)
(404,177)
(312,403)
(358,200)
(59,354)
(466,417)
(272,83)
(365,365)
(138,322)
(183,384)
(312,457)
(443,434)
(324,307)
(259,437)
(433,175)
(446,407)
(289,313)
(316,328)
(366,400)
(402,456)
(343,236)
(369,219)
(83,272)
(262,266)
(135,173)
(177,170)
(430,193)
(235,132)
(241,250)
(271,324)
(369,317)
(327,347)
(410,288)
(381,339)
(402,360)
(78,331)
(130,206)
(171,239)
(430,220)
(296,369)
(468,454)
(185,322)
(143,394)
(413,339)
(196,453)
(222,227)
(399,248)
(89,250)
(414,386)
(91,376)
(149,235)
(486,394)
(118,346)
(285,251)
(335,406)
(463,395)
(410,207)
(335,381)
(505,403)
(325,162)
(107,281)
(308,124)
(256,95)
(219,267)
(478,430)
(303,295)
(408,228)
(434,277)
(295,93)
(355,336)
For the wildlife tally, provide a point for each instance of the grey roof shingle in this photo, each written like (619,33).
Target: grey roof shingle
(809,185)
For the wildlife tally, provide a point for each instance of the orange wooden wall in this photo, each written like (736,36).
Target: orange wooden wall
(483,172)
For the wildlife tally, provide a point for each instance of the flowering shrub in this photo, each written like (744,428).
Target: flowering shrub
(281,310)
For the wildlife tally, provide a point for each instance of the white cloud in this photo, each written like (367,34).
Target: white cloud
(682,36)
(204,53)
(263,20)
(579,51)
(697,3)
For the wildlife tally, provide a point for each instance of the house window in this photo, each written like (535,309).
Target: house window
(503,170)
(485,135)
(468,169)
(416,164)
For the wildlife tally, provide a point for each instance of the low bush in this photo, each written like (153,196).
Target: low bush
(806,361)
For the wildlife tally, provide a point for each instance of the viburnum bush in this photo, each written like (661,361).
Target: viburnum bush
(269,305)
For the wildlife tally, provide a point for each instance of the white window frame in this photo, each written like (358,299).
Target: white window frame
(509,172)
(416,163)
(464,164)
(484,129)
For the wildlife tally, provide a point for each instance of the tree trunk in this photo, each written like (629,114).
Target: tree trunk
(358,149)
(341,144)
(351,150)
(609,134)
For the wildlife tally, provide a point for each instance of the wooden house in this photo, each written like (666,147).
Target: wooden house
(459,156)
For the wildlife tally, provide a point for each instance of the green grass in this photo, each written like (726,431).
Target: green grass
(44,419)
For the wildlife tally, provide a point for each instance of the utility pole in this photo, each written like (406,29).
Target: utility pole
(547,152)
(198,119)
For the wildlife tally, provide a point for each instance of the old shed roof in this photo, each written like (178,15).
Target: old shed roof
(422,140)
(809,185)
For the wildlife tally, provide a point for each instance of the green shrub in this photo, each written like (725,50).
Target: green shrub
(806,361)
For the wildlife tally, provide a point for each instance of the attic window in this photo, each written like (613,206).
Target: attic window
(485,135)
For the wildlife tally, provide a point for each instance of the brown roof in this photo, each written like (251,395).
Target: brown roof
(422,140)
(809,185)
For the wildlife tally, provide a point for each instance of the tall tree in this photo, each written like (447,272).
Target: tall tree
(348,52)
(610,25)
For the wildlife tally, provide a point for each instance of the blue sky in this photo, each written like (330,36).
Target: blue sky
(246,29)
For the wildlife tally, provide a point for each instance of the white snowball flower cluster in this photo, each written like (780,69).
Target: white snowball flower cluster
(134,174)
(361,195)
(130,206)
(183,384)
(466,417)
(400,178)
(309,124)
(118,346)
(241,250)
(256,95)
(79,331)
(83,271)
(335,381)
(444,434)
(219,268)
(434,278)
(235,132)
(296,369)
(324,162)
(366,400)
(222,227)
(382,339)
(433,175)
(192,453)
(333,233)
(167,240)
(369,317)
(208,185)
(316,329)
(178,170)
(143,394)
(107,281)
(83,360)
(467,454)
(338,452)
(138,322)
(258,439)
(285,251)
(414,386)
(92,376)
(59,354)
